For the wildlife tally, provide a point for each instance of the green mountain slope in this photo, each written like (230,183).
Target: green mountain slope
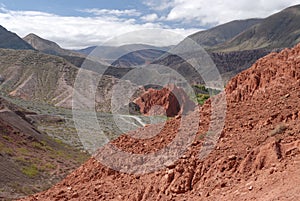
(277,31)
(36,76)
(31,161)
(222,33)
(44,78)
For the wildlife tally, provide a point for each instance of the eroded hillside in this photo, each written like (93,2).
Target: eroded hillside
(31,161)
(256,158)
(44,78)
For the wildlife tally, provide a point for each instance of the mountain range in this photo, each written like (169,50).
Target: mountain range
(254,158)
(233,46)
(225,44)
(277,31)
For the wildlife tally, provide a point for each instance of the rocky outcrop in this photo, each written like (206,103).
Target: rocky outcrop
(272,70)
(170,101)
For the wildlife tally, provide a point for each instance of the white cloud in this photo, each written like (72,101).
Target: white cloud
(159,37)
(216,12)
(159,5)
(131,12)
(150,18)
(80,32)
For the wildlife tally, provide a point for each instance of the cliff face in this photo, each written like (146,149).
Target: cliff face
(256,158)
(170,100)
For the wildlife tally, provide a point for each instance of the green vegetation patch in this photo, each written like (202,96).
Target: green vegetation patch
(201,98)
(203,93)
(23,151)
(4,149)
(41,145)
(6,137)
(30,171)
(47,166)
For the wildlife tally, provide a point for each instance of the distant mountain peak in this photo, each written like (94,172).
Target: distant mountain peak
(40,43)
(297,7)
(10,40)
(32,35)
(47,46)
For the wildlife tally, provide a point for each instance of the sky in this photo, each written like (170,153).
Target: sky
(76,24)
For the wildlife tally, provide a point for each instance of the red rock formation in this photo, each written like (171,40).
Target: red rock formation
(171,99)
(274,69)
(256,158)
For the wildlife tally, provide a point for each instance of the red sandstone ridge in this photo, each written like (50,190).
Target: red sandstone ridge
(256,158)
(274,69)
(170,100)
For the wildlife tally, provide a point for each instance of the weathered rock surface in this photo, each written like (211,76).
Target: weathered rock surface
(274,69)
(170,100)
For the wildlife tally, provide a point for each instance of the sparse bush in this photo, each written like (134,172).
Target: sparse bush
(21,160)
(38,145)
(23,150)
(47,166)
(58,141)
(201,98)
(278,129)
(3,130)
(6,150)
(41,145)
(203,93)
(6,137)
